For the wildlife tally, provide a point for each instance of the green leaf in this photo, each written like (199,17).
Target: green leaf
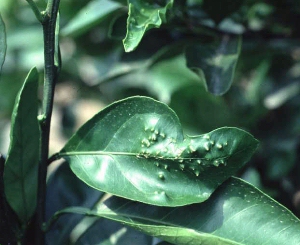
(142,16)
(215,63)
(135,148)
(89,16)
(20,173)
(8,221)
(64,189)
(204,105)
(2,43)
(236,213)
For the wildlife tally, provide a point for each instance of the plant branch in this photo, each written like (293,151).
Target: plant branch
(36,10)
(50,77)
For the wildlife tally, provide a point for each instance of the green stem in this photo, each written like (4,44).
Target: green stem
(50,77)
(36,10)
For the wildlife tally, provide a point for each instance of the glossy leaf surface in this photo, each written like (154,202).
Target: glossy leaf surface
(20,173)
(92,14)
(135,148)
(142,16)
(2,43)
(236,213)
(215,63)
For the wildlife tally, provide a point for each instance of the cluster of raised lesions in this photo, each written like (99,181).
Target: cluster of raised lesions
(191,154)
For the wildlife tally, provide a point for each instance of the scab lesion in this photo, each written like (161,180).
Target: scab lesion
(193,154)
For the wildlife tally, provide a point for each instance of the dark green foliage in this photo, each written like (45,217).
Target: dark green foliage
(169,184)
(20,173)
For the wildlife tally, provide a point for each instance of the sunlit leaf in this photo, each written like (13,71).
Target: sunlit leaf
(215,63)
(2,42)
(144,155)
(20,173)
(142,16)
(89,16)
(236,213)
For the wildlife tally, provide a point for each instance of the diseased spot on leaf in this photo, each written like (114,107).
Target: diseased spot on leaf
(191,155)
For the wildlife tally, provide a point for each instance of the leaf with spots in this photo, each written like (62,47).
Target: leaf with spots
(135,148)
(142,16)
(237,213)
(20,172)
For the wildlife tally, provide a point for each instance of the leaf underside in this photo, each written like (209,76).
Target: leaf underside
(135,148)
(20,172)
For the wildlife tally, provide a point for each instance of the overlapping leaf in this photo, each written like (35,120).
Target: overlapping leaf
(236,213)
(94,12)
(142,16)
(8,222)
(2,43)
(215,63)
(20,173)
(136,149)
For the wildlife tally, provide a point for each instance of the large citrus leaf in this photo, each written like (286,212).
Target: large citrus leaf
(236,213)
(20,173)
(142,16)
(135,148)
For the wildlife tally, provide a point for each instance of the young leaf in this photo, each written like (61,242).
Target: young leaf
(142,16)
(215,63)
(236,213)
(135,148)
(2,43)
(89,16)
(20,173)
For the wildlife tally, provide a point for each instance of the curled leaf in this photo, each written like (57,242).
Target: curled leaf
(142,16)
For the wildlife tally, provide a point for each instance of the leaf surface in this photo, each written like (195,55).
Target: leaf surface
(8,221)
(236,213)
(215,63)
(135,148)
(64,189)
(2,43)
(89,16)
(142,16)
(20,173)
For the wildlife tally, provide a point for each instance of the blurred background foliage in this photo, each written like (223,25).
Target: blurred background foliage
(264,92)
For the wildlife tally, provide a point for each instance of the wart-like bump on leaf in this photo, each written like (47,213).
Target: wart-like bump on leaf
(145,152)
